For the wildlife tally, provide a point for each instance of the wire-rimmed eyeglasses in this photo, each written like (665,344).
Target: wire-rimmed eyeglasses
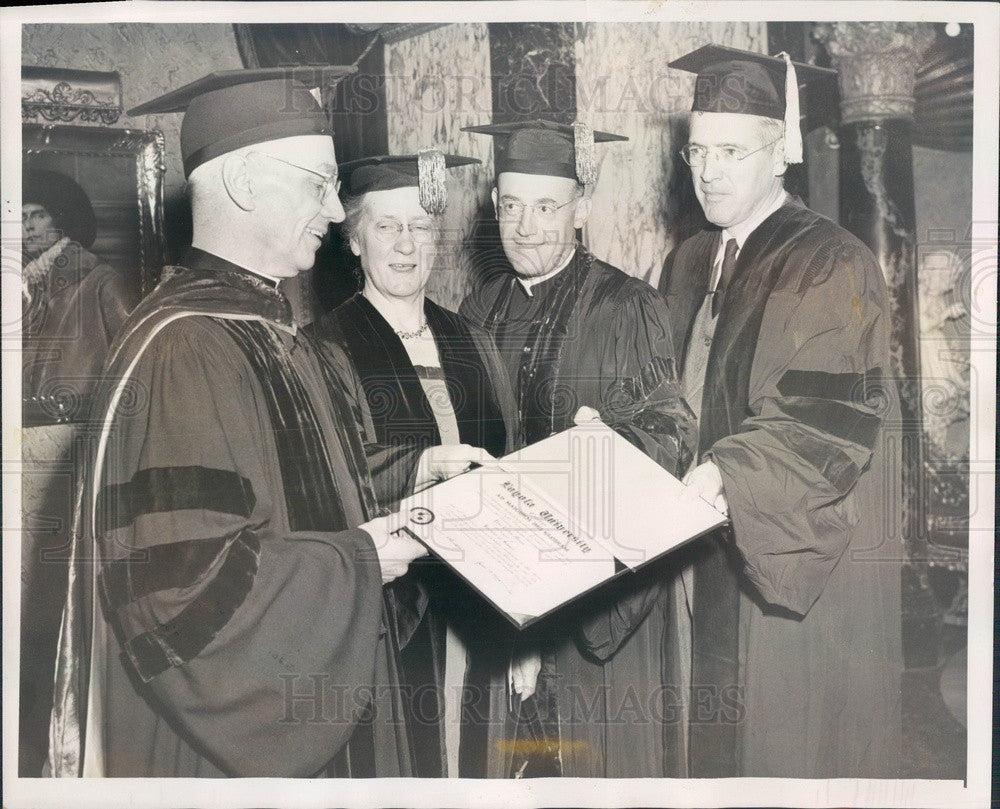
(510,208)
(695,155)
(331,182)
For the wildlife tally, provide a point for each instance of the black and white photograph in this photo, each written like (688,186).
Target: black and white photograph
(549,404)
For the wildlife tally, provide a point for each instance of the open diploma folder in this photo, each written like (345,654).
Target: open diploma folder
(536,529)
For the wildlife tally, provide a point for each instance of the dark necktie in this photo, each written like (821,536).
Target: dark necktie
(728,268)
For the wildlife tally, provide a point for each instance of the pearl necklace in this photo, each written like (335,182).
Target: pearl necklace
(411,335)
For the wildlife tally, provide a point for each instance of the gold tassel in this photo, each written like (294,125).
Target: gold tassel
(432,181)
(583,146)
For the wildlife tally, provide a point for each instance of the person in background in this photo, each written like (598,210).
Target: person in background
(782,322)
(73,302)
(433,392)
(582,339)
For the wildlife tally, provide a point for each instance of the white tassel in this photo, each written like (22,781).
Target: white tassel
(793,132)
(432,181)
(583,147)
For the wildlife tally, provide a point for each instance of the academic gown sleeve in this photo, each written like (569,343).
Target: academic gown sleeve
(221,609)
(642,393)
(643,404)
(393,467)
(818,400)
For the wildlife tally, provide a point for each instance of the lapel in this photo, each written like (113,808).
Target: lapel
(758,267)
(688,272)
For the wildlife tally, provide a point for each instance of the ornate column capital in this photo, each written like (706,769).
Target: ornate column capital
(877,64)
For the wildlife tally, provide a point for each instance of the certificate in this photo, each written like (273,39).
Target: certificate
(536,529)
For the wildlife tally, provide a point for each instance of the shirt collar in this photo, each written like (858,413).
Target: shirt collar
(196,258)
(741,231)
(528,283)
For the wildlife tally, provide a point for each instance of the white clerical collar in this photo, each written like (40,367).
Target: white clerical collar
(741,231)
(528,283)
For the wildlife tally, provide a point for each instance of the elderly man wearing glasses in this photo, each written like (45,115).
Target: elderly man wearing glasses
(235,623)
(578,334)
(781,319)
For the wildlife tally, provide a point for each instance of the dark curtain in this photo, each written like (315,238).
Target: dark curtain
(357,111)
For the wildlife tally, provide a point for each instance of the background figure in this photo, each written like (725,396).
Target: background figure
(783,321)
(73,303)
(433,390)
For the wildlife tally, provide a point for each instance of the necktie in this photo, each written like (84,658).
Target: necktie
(728,268)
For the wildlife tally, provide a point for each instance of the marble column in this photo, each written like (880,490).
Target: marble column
(877,65)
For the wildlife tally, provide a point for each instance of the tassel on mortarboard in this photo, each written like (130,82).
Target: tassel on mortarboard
(793,132)
(583,147)
(432,181)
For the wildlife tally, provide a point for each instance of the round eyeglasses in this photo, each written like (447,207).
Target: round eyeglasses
(511,208)
(330,182)
(696,156)
(389,230)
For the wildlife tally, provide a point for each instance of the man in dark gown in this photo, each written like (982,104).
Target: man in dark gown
(577,333)
(226,614)
(783,322)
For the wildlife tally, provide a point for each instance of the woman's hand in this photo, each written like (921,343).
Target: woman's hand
(443,462)
(524,669)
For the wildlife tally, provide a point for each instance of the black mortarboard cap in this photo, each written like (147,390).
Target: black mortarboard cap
(66,202)
(748,83)
(547,148)
(424,170)
(230,109)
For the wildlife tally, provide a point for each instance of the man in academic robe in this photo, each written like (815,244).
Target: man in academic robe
(577,333)
(226,612)
(782,320)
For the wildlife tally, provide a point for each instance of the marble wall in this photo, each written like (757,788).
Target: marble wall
(643,199)
(436,83)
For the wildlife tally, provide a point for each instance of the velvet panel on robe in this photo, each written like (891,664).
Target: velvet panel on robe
(802,422)
(399,425)
(593,336)
(67,332)
(247,614)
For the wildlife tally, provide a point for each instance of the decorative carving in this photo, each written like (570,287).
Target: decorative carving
(61,95)
(877,64)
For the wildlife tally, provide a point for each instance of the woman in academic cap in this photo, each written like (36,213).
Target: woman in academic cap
(73,303)
(434,396)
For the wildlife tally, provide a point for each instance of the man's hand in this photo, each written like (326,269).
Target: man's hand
(585,414)
(524,670)
(445,461)
(394,548)
(705,481)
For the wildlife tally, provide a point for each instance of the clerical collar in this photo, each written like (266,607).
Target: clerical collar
(528,283)
(197,259)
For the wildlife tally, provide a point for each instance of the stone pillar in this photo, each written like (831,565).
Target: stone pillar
(877,65)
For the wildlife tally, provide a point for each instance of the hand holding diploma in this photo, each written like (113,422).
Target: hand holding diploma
(395,548)
(445,461)
(705,481)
